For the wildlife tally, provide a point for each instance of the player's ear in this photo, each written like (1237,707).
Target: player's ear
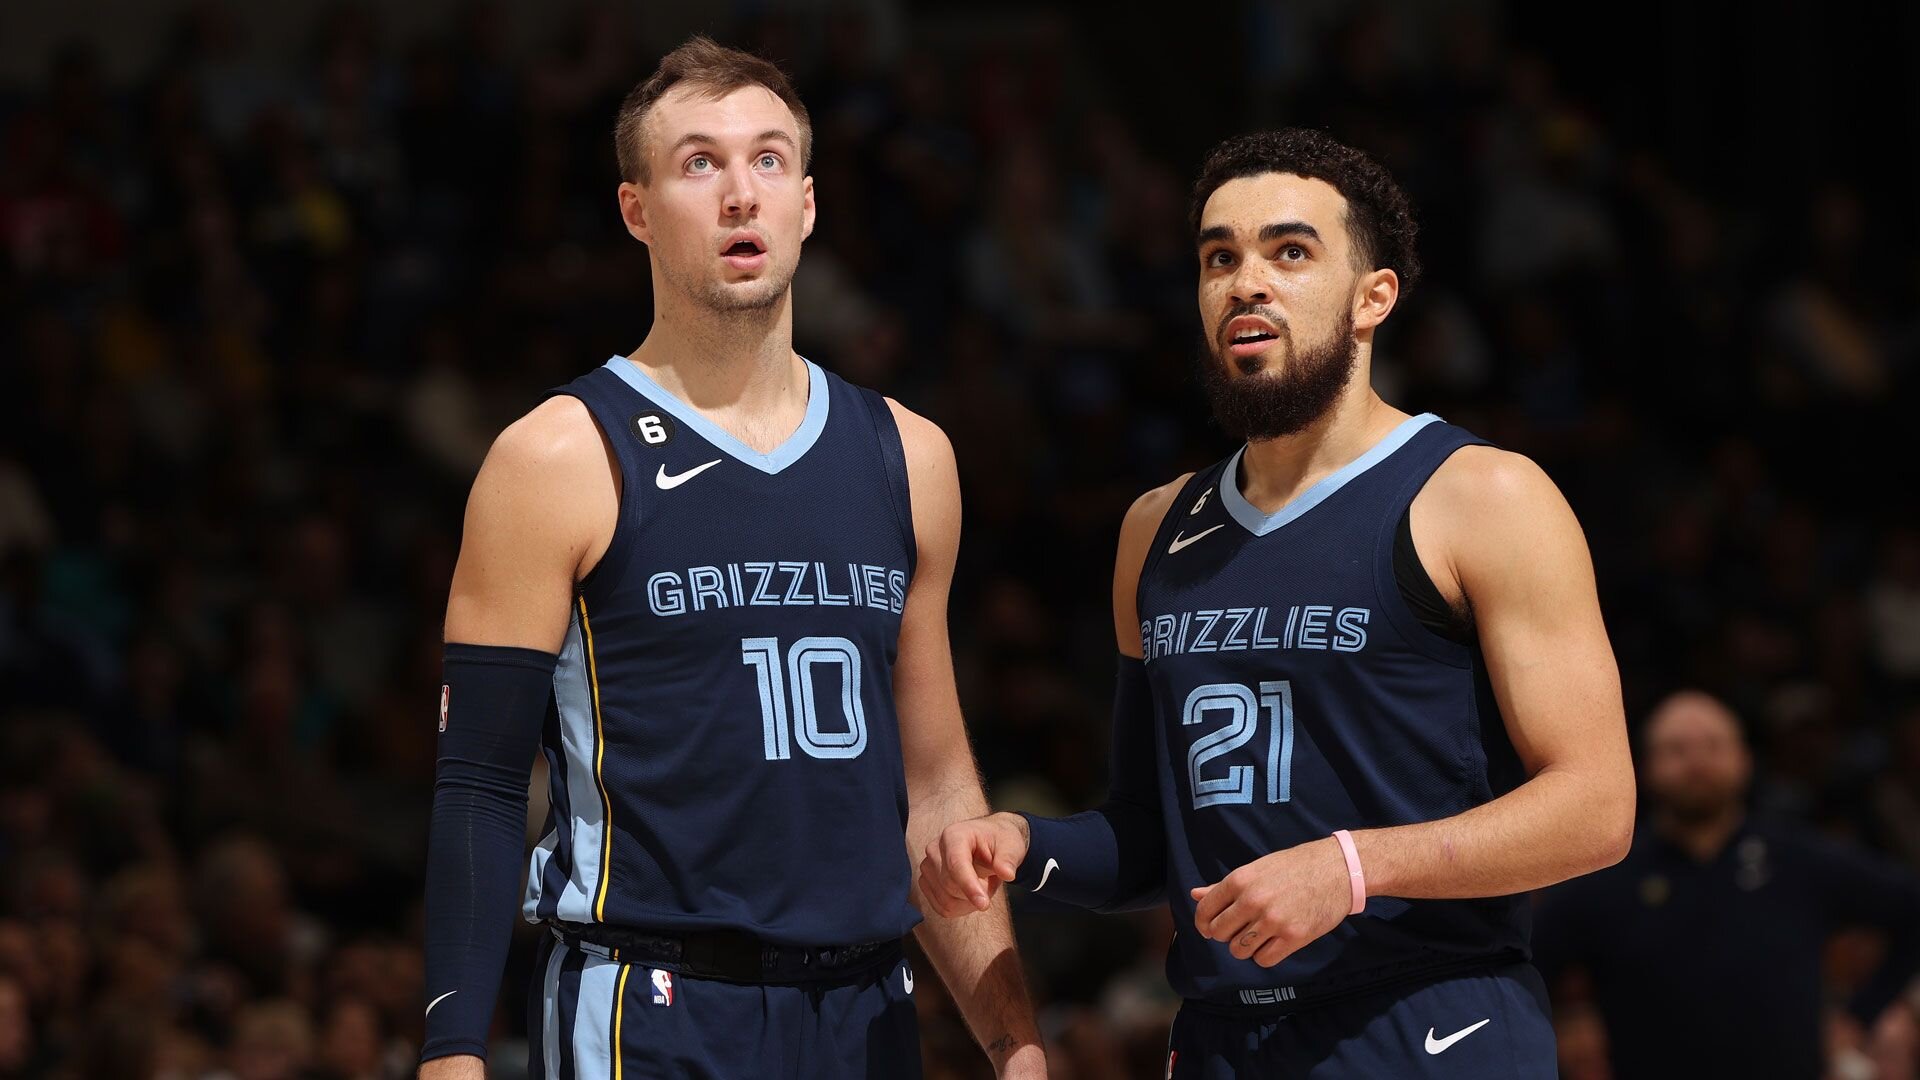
(806,207)
(633,211)
(1373,299)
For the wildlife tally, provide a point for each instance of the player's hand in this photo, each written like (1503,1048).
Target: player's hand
(970,859)
(1276,904)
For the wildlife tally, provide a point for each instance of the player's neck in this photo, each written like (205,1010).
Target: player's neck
(1274,471)
(1704,839)
(737,366)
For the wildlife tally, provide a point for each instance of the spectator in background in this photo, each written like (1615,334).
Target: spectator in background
(1703,946)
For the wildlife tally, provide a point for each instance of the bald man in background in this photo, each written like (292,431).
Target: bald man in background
(1704,945)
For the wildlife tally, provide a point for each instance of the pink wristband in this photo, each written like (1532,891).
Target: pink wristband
(1356,877)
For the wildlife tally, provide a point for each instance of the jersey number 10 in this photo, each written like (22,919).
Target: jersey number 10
(1243,720)
(763,655)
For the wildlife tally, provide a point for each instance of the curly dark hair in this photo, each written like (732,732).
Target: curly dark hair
(1378,215)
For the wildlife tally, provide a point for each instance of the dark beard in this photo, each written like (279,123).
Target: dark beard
(1266,406)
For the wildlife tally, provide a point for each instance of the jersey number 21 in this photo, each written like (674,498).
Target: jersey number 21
(1243,710)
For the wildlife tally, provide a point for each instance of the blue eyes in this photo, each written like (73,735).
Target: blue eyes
(701,163)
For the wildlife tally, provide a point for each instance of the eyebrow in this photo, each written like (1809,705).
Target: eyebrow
(698,139)
(1268,233)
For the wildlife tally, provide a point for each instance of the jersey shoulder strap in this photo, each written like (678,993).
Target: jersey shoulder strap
(1201,483)
(893,461)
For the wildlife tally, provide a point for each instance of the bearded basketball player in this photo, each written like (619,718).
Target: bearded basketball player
(1366,700)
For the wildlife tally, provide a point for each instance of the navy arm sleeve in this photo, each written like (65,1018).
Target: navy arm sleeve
(1860,889)
(1113,858)
(492,704)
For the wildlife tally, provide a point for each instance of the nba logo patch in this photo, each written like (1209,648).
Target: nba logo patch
(445,693)
(662,987)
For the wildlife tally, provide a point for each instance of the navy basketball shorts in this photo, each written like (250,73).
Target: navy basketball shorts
(1491,1024)
(598,1019)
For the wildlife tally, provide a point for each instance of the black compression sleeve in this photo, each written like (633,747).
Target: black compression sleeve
(493,701)
(1113,858)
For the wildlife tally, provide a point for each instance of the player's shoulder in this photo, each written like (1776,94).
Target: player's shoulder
(1144,516)
(553,464)
(919,436)
(557,439)
(932,471)
(1139,526)
(1484,504)
(1479,480)
(549,484)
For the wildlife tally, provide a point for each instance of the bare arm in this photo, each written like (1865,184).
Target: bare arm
(1493,530)
(1510,544)
(975,956)
(541,514)
(541,510)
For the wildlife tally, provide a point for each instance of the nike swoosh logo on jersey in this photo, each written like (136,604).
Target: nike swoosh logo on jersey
(668,482)
(1183,541)
(438,1000)
(1047,872)
(1435,1046)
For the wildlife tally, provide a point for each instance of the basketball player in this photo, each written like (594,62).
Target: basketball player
(709,582)
(1365,699)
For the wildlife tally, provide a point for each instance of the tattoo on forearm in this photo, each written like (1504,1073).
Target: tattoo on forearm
(1000,1045)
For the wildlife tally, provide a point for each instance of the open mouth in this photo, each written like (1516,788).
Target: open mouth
(744,249)
(1249,335)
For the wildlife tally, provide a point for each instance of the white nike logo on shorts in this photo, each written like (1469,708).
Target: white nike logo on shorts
(1435,1046)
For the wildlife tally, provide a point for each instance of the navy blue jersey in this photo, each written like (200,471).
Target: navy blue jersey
(723,746)
(1296,693)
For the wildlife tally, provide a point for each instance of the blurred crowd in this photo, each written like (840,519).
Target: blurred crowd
(260,322)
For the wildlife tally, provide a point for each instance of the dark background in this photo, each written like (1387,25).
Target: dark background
(270,280)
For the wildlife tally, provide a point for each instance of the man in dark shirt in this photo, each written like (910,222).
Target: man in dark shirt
(1704,944)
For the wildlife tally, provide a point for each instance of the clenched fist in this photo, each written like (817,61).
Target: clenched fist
(1275,905)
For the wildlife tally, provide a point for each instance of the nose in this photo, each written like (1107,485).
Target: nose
(1249,288)
(741,198)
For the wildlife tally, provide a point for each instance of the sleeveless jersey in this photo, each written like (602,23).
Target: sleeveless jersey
(722,746)
(1296,693)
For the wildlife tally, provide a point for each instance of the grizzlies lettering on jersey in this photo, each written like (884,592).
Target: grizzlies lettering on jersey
(1296,693)
(723,746)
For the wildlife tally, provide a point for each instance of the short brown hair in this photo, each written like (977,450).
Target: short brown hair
(715,70)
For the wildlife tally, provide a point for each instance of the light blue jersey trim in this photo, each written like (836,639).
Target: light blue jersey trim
(592,1033)
(1261,524)
(550,1033)
(773,461)
(573,700)
(537,869)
